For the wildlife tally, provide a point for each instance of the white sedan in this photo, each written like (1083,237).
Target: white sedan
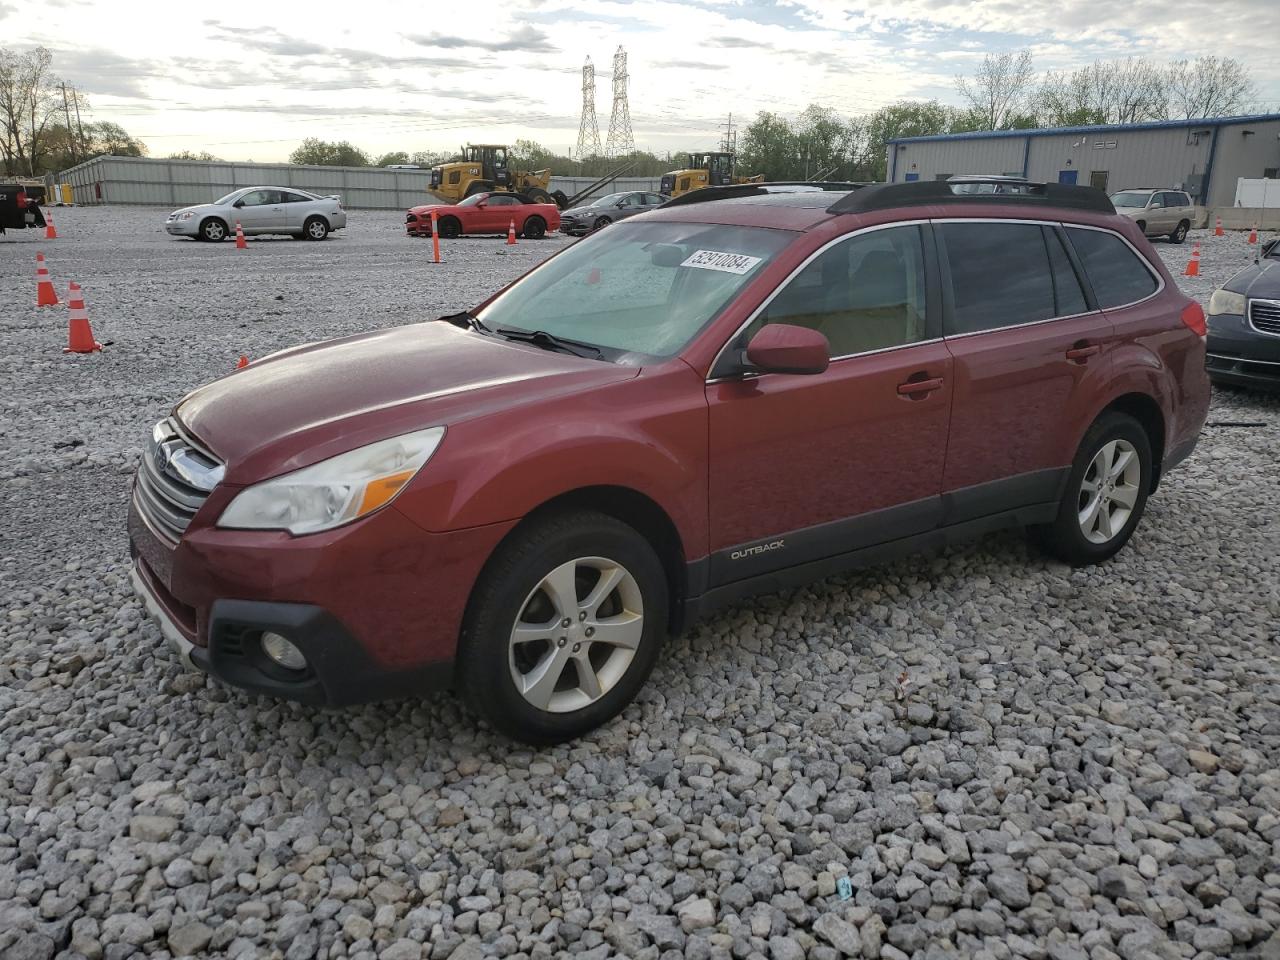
(260,210)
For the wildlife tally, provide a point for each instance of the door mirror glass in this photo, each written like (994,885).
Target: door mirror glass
(238,204)
(784,348)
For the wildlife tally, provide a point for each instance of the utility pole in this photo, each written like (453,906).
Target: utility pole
(71,134)
(79,125)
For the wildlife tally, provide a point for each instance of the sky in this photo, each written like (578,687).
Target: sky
(249,81)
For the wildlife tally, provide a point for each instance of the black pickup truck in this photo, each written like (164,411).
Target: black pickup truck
(17,208)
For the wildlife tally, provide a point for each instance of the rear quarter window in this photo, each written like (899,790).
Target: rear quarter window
(1117,274)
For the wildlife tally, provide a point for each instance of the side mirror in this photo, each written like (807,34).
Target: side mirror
(482,203)
(785,348)
(1269,247)
(238,204)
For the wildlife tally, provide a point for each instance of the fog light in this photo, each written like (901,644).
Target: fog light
(283,652)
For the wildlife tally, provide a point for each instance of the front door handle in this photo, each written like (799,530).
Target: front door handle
(913,387)
(1081,354)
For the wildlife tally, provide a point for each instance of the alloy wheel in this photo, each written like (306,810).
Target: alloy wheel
(576,634)
(1109,491)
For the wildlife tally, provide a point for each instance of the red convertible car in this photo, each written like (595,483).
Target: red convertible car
(485,213)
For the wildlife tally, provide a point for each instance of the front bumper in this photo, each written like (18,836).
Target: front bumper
(182,228)
(375,606)
(574,228)
(1241,355)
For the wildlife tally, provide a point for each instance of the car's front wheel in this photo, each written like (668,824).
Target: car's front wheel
(601,223)
(563,628)
(316,228)
(213,230)
(1105,495)
(449,227)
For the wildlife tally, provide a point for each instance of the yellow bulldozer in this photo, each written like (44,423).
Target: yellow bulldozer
(704,170)
(484,168)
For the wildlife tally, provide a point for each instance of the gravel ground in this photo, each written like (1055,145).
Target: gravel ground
(1001,755)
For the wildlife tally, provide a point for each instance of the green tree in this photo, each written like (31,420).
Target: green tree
(907,118)
(770,147)
(193,155)
(329,154)
(394,157)
(109,138)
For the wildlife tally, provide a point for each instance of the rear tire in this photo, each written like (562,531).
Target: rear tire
(316,228)
(1180,232)
(1105,495)
(213,230)
(561,199)
(547,579)
(448,228)
(535,228)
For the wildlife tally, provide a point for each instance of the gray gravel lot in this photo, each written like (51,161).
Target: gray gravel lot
(1079,763)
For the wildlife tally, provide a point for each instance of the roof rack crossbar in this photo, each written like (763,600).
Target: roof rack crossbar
(735,190)
(886,196)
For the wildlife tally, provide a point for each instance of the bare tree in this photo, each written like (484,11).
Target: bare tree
(27,107)
(1209,87)
(999,89)
(1066,100)
(1127,91)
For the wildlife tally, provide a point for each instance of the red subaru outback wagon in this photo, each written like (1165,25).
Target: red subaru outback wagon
(744,389)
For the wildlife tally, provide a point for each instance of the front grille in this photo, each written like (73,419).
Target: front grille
(174,480)
(1265,316)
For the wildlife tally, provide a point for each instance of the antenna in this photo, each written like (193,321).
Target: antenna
(588,132)
(621,141)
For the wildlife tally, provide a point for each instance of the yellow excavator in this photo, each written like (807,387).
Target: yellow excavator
(484,169)
(704,170)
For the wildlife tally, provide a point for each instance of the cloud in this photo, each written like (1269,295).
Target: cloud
(738,43)
(105,73)
(684,65)
(526,39)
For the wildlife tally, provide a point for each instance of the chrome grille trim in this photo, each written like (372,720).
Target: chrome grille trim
(1264,316)
(174,479)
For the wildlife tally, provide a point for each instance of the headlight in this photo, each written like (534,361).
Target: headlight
(334,491)
(186,215)
(1226,301)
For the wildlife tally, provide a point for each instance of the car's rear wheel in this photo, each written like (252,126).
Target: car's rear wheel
(535,228)
(1105,495)
(1180,233)
(315,228)
(564,627)
(601,223)
(213,230)
(449,227)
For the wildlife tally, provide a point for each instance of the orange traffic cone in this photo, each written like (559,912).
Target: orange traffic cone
(240,243)
(1193,265)
(1253,234)
(1218,231)
(50,231)
(511,234)
(46,296)
(242,362)
(79,335)
(435,237)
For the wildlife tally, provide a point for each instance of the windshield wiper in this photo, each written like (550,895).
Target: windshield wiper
(549,341)
(467,320)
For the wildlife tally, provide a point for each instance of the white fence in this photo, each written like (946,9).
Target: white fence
(182,183)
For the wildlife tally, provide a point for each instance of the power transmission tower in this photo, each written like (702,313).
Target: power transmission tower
(621,141)
(588,132)
(729,142)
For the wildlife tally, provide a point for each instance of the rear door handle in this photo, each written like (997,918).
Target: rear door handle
(919,386)
(1082,354)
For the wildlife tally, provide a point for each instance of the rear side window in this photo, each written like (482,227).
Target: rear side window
(1117,274)
(1000,276)
(1068,295)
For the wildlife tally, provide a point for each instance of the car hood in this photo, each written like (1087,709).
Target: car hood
(1257,280)
(198,208)
(1129,211)
(306,404)
(579,211)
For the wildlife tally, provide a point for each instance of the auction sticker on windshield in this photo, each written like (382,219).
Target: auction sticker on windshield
(724,262)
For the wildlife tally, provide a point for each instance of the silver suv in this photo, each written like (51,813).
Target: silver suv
(1159,212)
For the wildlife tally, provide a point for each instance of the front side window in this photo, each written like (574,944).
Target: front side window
(644,288)
(504,200)
(259,198)
(472,200)
(1000,276)
(1117,274)
(653,199)
(865,293)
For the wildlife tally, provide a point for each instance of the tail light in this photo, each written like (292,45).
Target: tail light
(1193,319)
(22,199)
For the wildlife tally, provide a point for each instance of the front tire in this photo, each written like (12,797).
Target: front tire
(1106,493)
(448,228)
(535,228)
(213,230)
(1180,232)
(601,223)
(316,228)
(564,627)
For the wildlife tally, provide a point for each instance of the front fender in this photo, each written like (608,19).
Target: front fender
(647,434)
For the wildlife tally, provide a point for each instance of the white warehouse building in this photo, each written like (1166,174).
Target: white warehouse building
(1206,158)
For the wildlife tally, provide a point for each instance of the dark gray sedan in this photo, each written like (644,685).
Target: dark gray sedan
(1244,325)
(600,213)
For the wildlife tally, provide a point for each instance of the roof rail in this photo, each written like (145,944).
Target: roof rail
(733,190)
(885,196)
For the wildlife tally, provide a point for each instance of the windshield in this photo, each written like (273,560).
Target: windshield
(472,200)
(227,199)
(611,198)
(1129,198)
(638,287)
